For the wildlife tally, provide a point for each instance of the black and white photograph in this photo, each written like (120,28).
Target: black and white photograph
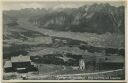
(63,40)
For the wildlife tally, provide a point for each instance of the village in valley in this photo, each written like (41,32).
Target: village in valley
(74,59)
(38,49)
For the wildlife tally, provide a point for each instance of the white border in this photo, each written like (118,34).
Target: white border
(126,45)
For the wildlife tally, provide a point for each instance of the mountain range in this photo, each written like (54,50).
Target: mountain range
(99,25)
(96,18)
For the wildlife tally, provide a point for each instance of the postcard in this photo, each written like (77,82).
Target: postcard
(63,40)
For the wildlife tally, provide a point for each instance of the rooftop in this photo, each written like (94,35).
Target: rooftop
(20,58)
(8,64)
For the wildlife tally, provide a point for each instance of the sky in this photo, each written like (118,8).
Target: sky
(53,4)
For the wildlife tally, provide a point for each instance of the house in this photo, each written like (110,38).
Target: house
(99,61)
(20,64)
(110,62)
(8,66)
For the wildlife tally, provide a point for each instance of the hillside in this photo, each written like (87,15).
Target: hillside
(98,25)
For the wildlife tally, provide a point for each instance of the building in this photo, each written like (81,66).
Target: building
(110,62)
(8,66)
(100,61)
(20,64)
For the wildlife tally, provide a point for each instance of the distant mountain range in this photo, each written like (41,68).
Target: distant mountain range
(97,25)
(96,18)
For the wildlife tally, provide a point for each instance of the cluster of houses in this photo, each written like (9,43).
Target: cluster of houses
(96,60)
(92,61)
(21,64)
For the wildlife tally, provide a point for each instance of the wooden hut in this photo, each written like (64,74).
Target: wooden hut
(22,64)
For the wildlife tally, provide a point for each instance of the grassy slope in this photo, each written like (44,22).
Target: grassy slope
(103,40)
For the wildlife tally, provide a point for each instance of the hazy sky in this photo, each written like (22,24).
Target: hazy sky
(59,4)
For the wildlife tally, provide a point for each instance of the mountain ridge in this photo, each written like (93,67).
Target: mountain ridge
(92,21)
